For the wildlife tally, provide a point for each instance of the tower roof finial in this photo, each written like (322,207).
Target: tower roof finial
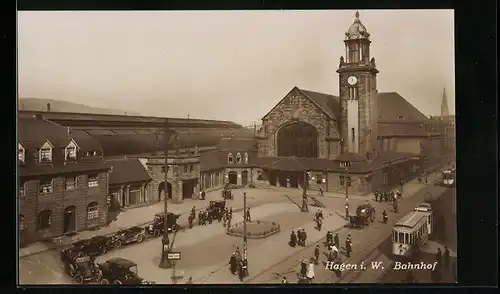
(357,14)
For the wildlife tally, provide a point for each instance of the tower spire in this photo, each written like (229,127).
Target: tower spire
(444,105)
(356,15)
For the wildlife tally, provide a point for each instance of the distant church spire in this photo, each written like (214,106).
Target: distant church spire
(444,105)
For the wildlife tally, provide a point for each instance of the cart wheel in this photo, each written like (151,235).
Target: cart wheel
(156,233)
(78,279)
(118,243)
(104,281)
(140,238)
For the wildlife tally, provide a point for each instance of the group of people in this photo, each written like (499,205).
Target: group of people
(209,215)
(238,265)
(307,271)
(299,238)
(388,196)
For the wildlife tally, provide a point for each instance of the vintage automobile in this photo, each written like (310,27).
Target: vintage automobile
(216,207)
(94,246)
(365,215)
(126,236)
(120,271)
(158,226)
(80,266)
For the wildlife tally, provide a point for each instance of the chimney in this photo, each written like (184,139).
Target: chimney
(48,107)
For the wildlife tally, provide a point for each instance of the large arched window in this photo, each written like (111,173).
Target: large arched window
(230,158)
(44,220)
(298,139)
(92,211)
(238,158)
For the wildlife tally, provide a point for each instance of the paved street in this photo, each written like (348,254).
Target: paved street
(364,242)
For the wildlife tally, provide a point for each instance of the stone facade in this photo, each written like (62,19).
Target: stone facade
(183,175)
(123,195)
(296,107)
(32,203)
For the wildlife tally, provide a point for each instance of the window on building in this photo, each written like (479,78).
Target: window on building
(354,53)
(341,180)
(22,189)
(91,153)
(191,168)
(21,153)
(92,211)
(245,158)
(44,220)
(93,181)
(46,153)
(70,151)
(238,158)
(146,199)
(22,224)
(71,183)
(163,169)
(401,237)
(230,158)
(345,164)
(45,186)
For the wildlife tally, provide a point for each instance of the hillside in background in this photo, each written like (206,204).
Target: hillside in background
(37,104)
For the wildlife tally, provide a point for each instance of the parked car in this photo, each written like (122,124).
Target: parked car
(158,226)
(126,236)
(80,266)
(94,246)
(120,271)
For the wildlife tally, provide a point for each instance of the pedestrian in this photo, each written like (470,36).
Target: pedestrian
(190,280)
(200,218)
(310,271)
(248,215)
(439,257)
(329,238)
(346,211)
(304,238)
(293,239)
(303,268)
(446,256)
(336,240)
(193,210)
(384,217)
(376,196)
(190,221)
(209,217)
(232,263)
(321,192)
(316,254)
(348,244)
(203,194)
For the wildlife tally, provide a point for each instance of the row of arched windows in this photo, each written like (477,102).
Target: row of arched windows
(44,220)
(230,158)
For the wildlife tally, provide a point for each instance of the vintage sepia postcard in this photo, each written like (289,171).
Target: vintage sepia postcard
(230,147)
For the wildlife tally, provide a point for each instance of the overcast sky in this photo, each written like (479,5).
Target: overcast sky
(228,65)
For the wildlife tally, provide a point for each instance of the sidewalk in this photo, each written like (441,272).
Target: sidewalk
(143,216)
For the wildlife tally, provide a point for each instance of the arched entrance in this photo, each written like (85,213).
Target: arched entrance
(244,178)
(298,139)
(161,191)
(233,178)
(69,220)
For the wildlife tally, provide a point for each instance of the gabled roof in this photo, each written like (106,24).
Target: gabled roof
(211,160)
(33,133)
(393,107)
(329,104)
(84,166)
(127,171)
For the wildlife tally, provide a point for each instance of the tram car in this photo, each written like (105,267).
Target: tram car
(426,208)
(410,234)
(449,178)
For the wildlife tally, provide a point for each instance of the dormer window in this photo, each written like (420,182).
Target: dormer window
(70,151)
(21,153)
(345,164)
(230,158)
(91,153)
(245,158)
(238,158)
(46,152)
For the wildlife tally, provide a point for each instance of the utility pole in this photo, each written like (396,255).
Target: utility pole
(165,248)
(245,226)
(305,208)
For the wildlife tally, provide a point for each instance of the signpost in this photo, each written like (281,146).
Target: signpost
(172,257)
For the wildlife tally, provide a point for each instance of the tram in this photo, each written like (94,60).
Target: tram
(409,234)
(426,208)
(449,178)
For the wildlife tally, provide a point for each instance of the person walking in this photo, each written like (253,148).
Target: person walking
(310,272)
(336,240)
(316,254)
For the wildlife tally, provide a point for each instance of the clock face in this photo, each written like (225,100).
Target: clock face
(352,80)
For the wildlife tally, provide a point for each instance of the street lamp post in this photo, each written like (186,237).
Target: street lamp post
(165,241)
(305,184)
(245,244)
(347,184)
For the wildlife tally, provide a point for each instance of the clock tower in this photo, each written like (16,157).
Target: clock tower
(358,92)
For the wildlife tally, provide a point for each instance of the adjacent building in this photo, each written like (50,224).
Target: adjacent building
(63,181)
